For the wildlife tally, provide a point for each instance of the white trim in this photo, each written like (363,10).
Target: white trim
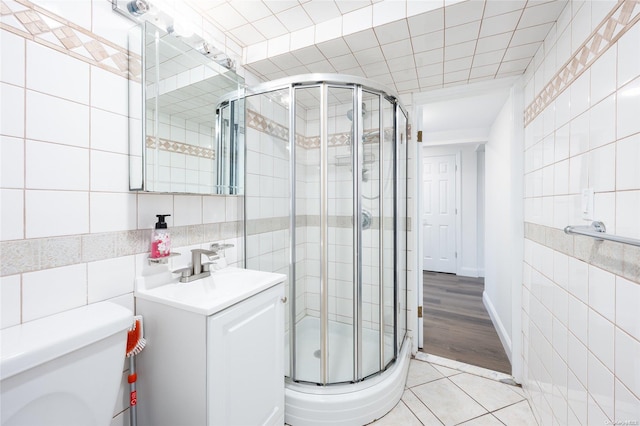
(463,91)
(500,329)
(458,195)
(465,271)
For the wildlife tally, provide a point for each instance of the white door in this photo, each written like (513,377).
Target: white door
(439,213)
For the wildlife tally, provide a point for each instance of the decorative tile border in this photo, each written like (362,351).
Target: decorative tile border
(180,147)
(265,125)
(34,23)
(36,254)
(624,15)
(617,258)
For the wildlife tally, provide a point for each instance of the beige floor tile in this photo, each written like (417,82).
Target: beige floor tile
(400,415)
(419,409)
(486,420)
(446,371)
(490,394)
(421,372)
(517,414)
(448,402)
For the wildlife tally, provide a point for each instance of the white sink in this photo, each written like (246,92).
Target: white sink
(209,295)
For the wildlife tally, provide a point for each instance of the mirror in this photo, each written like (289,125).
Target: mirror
(187,135)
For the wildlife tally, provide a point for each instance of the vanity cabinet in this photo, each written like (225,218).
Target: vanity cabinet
(222,369)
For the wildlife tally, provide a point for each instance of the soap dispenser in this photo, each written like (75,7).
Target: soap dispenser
(160,239)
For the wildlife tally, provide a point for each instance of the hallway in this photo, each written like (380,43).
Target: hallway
(456,323)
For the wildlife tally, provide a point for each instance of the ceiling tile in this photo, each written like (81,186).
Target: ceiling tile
(530,34)
(308,55)
(361,40)
(489,58)
(347,6)
(328,30)
(286,60)
(321,11)
(430,82)
(265,67)
(341,63)
(461,33)
(247,35)
(387,11)
(402,63)
(430,70)
(358,20)
(407,86)
(457,76)
(426,22)
(375,69)
(393,31)
(270,27)
(357,71)
(404,75)
(252,11)
(512,66)
(484,71)
(321,66)
(463,13)
(415,7)
(397,49)
(333,48)
(302,38)
(459,50)
(277,6)
(227,17)
(429,41)
(500,24)
(429,58)
(369,56)
(458,65)
(384,79)
(522,51)
(295,18)
(494,42)
(541,14)
(493,8)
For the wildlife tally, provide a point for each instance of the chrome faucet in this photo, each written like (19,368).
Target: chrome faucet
(197,269)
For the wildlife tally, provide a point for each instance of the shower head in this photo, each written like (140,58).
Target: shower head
(350,112)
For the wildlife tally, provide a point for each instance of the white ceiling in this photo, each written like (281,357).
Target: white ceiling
(429,46)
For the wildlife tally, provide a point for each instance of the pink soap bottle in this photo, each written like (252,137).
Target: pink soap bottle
(160,239)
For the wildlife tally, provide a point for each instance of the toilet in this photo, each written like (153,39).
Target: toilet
(64,369)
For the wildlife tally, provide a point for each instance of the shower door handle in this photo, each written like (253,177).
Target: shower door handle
(283,299)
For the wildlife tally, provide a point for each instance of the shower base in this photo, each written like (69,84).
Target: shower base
(346,404)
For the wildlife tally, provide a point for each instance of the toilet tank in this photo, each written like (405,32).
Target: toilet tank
(64,369)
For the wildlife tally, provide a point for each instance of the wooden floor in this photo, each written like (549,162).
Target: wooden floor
(456,323)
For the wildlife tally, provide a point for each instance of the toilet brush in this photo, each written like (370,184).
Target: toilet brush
(135,344)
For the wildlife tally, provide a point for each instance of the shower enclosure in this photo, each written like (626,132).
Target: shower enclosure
(326,204)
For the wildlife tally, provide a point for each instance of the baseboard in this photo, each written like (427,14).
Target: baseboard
(468,272)
(500,329)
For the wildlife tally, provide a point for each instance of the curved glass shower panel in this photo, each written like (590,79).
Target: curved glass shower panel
(307,209)
(339,146)
(267,189)
(322,206)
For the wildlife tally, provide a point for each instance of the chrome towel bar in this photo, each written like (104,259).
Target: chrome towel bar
(598,231)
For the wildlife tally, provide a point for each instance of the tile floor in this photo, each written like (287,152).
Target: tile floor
(436,394)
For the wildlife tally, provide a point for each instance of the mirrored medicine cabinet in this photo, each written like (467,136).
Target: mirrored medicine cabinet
(182,138)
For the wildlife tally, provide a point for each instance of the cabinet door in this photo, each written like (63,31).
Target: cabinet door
(245,362)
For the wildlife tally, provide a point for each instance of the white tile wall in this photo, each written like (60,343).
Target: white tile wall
(10,301)
(595,134)
(53,290)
